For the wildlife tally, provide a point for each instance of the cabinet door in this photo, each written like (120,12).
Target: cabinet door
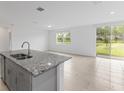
(23,80)
(2,67)
(10,76)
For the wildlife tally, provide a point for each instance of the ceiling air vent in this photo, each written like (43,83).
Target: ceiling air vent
(40,9)
(97,2)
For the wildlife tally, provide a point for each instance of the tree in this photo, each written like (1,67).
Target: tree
(117,31)
(59,37)
(104,34)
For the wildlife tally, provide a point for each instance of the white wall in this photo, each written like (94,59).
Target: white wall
(37,38)
(83,41)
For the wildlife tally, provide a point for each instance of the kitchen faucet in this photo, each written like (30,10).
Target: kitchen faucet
(28,47)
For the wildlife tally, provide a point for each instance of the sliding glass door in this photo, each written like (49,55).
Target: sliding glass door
(110,41)
(103,44)
(117,41)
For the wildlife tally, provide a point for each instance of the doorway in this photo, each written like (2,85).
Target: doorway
(4,41)
(110,41)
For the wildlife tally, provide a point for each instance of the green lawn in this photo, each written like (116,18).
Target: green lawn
(117,49)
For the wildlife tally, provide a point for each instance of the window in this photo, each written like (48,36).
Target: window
(63,38)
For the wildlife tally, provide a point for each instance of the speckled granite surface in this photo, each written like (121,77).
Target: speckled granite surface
(39,63)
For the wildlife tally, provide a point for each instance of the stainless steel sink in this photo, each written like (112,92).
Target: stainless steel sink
(20,56)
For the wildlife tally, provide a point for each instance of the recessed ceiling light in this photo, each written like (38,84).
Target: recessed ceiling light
(49,26)
(112,12)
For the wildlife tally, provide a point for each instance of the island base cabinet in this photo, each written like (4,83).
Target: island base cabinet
(24,80)
(2,67)
(19,79)
(52,80)
(16,78)
(60,77)
(46,81)
(10,75)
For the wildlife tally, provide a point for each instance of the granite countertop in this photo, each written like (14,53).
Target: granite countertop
(39,63)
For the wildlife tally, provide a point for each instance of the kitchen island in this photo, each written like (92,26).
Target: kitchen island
(43,71)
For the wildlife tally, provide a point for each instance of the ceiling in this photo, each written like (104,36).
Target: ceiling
(60,14)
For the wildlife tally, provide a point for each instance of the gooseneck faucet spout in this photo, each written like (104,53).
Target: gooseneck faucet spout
(28,47)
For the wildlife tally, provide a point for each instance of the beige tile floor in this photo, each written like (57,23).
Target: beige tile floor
(88,73)
(91,74)
(3,86)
